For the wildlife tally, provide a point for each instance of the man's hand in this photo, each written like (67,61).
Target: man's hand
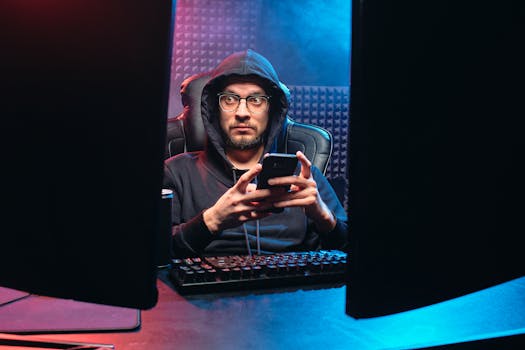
(239,204)
(303,193)
(243,202)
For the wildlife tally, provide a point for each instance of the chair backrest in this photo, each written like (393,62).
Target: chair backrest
(185,132)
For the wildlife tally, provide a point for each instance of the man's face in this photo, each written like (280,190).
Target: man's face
(244,129)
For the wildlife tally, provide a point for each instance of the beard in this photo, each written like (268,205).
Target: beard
(244,142)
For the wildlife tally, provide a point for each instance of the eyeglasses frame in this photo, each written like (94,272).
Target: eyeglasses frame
(220,94)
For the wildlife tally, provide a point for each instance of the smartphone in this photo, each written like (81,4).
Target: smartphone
(276,165)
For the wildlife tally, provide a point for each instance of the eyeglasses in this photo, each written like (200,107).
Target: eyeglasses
(255,104)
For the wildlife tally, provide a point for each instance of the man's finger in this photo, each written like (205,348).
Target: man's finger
(247,177)
(305,165)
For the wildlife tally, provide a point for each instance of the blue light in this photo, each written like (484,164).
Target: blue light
(310,39)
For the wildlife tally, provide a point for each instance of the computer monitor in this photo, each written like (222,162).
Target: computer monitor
(84,101)
(436,166)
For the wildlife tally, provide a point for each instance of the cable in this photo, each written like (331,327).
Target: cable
(248,248)
(258,238)
(247,240)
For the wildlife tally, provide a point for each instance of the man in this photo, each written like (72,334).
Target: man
(216,207)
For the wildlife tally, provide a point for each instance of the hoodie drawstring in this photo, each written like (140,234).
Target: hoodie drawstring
(245,229)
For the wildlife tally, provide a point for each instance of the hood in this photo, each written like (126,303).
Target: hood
(246,62)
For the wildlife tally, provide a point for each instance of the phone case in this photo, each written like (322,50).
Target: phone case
(276,165)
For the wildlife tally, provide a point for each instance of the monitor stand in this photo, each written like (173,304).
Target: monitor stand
(18,319)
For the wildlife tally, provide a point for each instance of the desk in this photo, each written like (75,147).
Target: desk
(312,319)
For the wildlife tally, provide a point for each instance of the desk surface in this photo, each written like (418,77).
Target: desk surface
(311,319)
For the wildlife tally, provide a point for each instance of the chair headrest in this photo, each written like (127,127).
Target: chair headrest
(191,91)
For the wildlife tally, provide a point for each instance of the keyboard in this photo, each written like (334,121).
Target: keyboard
(241,272)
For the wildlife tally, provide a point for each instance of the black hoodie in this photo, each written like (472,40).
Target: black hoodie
(199,179)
